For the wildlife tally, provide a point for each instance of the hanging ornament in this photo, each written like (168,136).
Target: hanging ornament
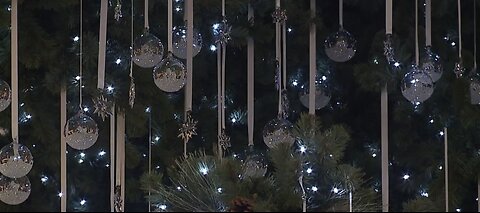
(16,160)
(278,130)
(279,15)
(340,46)
(322,95)
(131,92)
(254,164)
(285,104)
(14,191)
(170,75)
(118,198)
(474,87)
(459,69)
(221,32)
(118,10)
(189,128)
(431,64)
(81,131)
(224,140)
(148,50)
(417,86)
(180,42)
(388,50)
(102,106)
(5,95)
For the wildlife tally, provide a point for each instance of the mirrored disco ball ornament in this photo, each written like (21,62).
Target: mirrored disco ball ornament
(5,95)
(431,64)
(474,87)
(81,131)
(148,50)
(14,191)
(16,160)
(340,46)
(322,95)
(417,86)
(170,75)
(179,38)
(278,131)
(255,164)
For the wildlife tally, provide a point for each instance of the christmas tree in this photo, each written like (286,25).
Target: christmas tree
(48,35)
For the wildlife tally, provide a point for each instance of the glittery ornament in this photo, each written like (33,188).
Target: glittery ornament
(16,160)
(180,42)
(254,164)
(131,92)
(14,191)
(459,69)
(278,131)
(147,50)
(118,198)
(5,95)
(81,131)
(189,128)
(221,32)
(279,15)
(285,104)
(103,107)
(224,140)
(431,64)
(388,50)
(118,10)
(170,74)
(340,46)
(417,86)
(322,95)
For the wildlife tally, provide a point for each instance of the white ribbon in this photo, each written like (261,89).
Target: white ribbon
(120,157)
(350,199)
(149,156)
(459,29)
(340,13)
(475,39)
(445,138)
(219,98)
(428,22)
(188,91)
(388,17)
(284,55)
(416,33)
(102,44)
(63,149)
(313,60)
(170,25)
(14,61)
(112,160)
(277,3)
(250,80)
(145,15)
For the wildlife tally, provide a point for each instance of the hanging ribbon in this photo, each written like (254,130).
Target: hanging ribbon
(313,60)
(459,30)
(219,99)
(280,17)
(475,38)
(14,61)
(428,22)
(416,33)
(81,57)
(102,44)
(112,160)
(189,86)
(120,164)
(149,156)
(170,25)
(384,117)
(340,13)
(131,91)
(350,200)
(445,138)
(145,15)
(250,80)
(63,149)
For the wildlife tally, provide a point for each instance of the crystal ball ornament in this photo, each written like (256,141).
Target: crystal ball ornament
(5,95)
(278,131)
(417,86)
(148,50)
(81,131)
(170,74)
(16,160)
(254,164)
(14,191)
(322,95)
(431,64)
(340,46)
(179,38)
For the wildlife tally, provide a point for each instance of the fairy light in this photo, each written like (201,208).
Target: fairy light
(44,179)
(213,48)
(309,170)
(102,153)
(219,190)
(396,64)
(441,133)
(85,109)
(335,190)
(76,38)
(118,61)
(303,149)
(374,155)
(406,177)
(83,202)
(60,194)
(289,29)
(77,78)
(314,189)
(204,170)
(110,89)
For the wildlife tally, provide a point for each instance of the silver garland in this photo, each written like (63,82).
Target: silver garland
(388,50)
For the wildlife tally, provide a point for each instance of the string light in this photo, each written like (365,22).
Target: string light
(335,190)
(82,154)
(406,177)
(289,30)
(453,44)
(60,194)
(118,61)
(458,210)
(396,64)
(219,190)
(163,207)
(303,149)
(314,188)
(102,153)
(374,155)
(44,179)
(85,109)
(204,170)
(82,202)
(147,109)
(76,38)
(309,170)
(213,48)
(110,89)
(441,133)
